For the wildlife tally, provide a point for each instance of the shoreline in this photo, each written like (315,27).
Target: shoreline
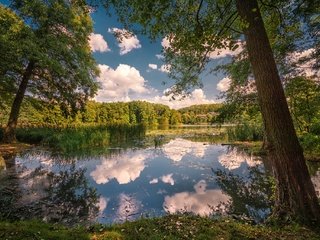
(9,149)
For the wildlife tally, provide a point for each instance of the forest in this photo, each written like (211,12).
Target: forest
(36,113)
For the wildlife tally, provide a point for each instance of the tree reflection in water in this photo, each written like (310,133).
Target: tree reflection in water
(70,198)
(63,196)
(250,196)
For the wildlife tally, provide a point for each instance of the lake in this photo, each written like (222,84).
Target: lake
(177,176)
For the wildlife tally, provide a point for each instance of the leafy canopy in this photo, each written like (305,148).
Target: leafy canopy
(53,35)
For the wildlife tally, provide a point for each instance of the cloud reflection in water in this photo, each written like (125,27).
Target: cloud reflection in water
(234,158)
(201,202)
(176,149)
(124,168)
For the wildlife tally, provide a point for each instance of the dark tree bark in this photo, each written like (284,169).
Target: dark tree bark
(295,195)
(9,135)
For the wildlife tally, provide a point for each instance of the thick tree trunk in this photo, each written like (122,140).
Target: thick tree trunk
(295,196)
(10,130)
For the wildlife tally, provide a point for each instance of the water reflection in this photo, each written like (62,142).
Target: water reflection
(178,148)
(120,185)
(233,159)
(165,179)
(129,207)
(42,190)
(201,201)
(124,168)
(250,194)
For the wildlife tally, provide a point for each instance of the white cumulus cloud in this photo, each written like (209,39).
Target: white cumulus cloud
(153,66)
(224,52)
(196,97)
(127,41)
(165,68)
(159,56)
(303,66)
(117,84)
(224,84)
(97,43)
(165,43)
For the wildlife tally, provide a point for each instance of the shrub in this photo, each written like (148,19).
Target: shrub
(245,132)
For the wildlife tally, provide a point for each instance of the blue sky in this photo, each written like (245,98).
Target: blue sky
(132,70)
(135,71)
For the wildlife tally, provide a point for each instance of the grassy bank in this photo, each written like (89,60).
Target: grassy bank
(76,138)
(169,227)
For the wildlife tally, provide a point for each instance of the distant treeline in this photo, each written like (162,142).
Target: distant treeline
(35,113)
(200,114)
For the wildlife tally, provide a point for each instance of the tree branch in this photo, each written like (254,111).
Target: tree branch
(224,26)
(277,9)
(198,18)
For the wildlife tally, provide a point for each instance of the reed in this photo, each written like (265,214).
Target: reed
(75,138)
(245,132)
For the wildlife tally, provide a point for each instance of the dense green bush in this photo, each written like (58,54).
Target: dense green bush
(315,128)
(310,143)
(34,135)
(245,132)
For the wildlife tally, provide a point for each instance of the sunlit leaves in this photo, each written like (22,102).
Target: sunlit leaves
(57,42)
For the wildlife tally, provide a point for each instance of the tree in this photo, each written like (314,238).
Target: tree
(55,62)
(195,29)
(303,95)
(14,42)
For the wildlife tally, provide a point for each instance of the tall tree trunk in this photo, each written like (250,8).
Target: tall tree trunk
(295,195)
(10,130)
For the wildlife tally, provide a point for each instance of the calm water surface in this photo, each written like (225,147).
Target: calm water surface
(125,184)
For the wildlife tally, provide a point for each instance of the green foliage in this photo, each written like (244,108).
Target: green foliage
(169,227)
(311,144)
(73,139)
(15,43)
(39,113)
(199,114)
(245,132)
(48,39)
(34,135)
(303,96)
(194,29)
(27,230)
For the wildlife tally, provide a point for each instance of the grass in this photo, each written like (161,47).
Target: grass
(206,132)
(38,230)
(168,227)
(245,132)
(79,138)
